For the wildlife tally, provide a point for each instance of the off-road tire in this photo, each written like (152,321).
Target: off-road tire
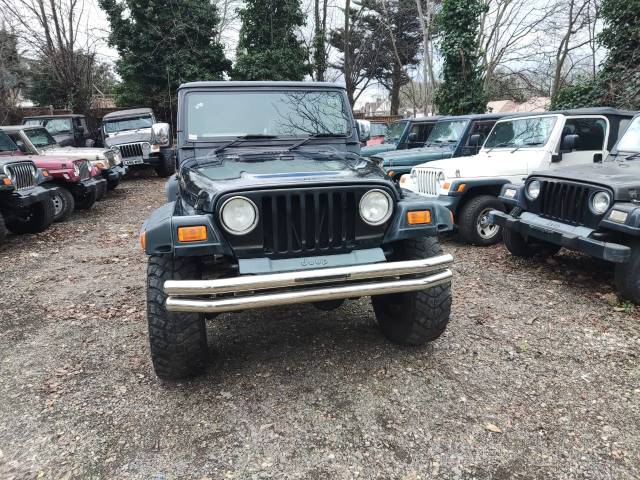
(87,200)
(167,165)
(470,214)
(66,203)
(518,246)
(627,275)
(39,219)
(178,341)
(112,184)
(3,230)
(414,318)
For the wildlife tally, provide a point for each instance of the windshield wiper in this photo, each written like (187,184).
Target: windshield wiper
(315,135)
(530,144)
(632,156)
(239,140)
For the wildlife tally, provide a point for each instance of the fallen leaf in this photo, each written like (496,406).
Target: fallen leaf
(493,428)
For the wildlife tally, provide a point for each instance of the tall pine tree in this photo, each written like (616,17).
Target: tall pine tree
(268,48)
(461,90)
(163,43)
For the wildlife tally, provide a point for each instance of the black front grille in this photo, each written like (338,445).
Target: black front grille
(131,150)
(566,202)
(306,222)
(297,222)
(22,174)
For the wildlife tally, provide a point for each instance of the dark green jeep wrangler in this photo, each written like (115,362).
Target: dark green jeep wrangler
(273,205)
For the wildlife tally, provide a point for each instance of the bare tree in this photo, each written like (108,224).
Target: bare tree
(55,31)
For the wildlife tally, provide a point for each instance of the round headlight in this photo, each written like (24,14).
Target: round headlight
(441,179)
(375,207)
(239,215)
(533,189)
(600,202)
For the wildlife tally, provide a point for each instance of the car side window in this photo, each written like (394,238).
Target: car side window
(421,131)
(591,131)
(482,129)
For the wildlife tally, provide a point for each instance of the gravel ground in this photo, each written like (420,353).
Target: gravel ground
(536,377)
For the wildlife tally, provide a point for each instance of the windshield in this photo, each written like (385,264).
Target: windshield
(534,131)
(6,144)
(447,132)
(630,141)
(39,137)
(131,123)
(378,129)
(394,132)
(277,113)
(54,126)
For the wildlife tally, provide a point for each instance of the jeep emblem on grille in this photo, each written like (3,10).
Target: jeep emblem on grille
(312,262)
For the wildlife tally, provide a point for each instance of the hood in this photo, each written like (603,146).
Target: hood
(415,156)
(370,150)
(5,160)
(619,176)
(267,170)
(51,162)
(91,154)
(131,136)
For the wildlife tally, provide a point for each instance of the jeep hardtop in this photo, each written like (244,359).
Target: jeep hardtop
(408,133)
(517,145)
(593,208)
(275,206)
(69,130)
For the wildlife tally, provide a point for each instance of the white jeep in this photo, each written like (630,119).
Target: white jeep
(516,146)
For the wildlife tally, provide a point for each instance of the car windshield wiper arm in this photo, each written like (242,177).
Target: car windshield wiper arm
(632,156)
(239,140)
(530,144)
(315,135)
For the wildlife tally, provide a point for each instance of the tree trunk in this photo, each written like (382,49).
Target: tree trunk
(396,80)
(347,53)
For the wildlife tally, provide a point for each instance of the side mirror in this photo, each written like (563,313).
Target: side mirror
(364,130)
(556,157)
(22,147)
(161,133)
(412,138)
(597,158)
(569,143)
(474,140)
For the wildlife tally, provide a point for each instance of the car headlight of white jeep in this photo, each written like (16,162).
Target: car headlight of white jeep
(533,189)
(441,179)
(239,215)
(600,202)
(376,207)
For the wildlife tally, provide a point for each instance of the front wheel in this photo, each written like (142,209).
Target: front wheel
(3,230)
(112,183)
(519,246)
(627,276)
(87,199)
(167,165)
(414,318)
(178,341)
(473,222)
(63,203)
(34,220)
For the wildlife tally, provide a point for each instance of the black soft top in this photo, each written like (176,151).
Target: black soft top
(133,112)
(59,115)
(260,84)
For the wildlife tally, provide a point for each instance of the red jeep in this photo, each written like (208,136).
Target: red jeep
(75,184)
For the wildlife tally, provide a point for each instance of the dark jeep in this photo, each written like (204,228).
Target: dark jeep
(140,139)
(68,130)
(403,135)
(25,206)
(273,205)
(594,209)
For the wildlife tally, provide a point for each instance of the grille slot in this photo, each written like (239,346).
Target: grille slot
(565,202)
(301,222)
(129,150)
(427,181)
(22,174)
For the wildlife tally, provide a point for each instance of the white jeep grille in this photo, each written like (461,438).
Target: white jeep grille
(426,181)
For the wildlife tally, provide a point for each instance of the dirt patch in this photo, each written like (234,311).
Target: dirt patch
(536,377)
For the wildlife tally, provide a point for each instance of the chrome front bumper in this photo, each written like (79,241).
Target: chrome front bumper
(238,293)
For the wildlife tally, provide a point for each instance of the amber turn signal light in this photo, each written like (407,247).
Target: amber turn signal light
(419,217)
(143,240)
(192,234)
(461,187)
(6,181)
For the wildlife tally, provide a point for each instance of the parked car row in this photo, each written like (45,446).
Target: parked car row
(51,168)
(559,174)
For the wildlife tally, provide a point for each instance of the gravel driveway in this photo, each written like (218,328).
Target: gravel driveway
(537,376)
